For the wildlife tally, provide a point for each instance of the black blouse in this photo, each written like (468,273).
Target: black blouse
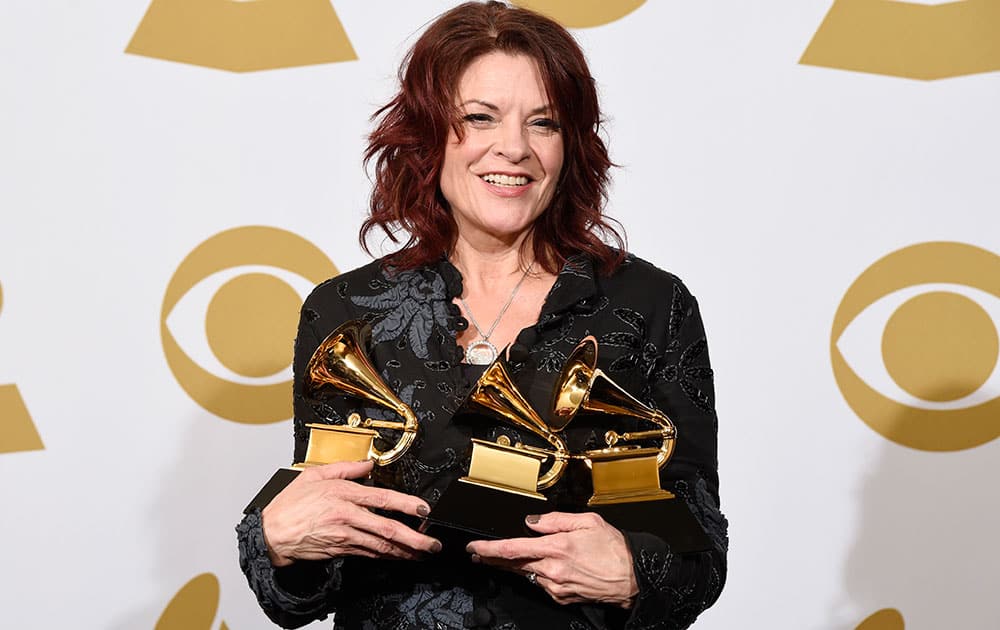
(651,342)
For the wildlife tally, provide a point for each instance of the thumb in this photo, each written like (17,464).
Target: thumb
(555,522)
(344,470)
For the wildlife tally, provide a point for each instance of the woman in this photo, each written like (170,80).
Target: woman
(489,160)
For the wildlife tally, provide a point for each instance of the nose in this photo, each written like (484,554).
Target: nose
(512,142)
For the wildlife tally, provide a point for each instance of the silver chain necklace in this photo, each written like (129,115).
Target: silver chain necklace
(481,351)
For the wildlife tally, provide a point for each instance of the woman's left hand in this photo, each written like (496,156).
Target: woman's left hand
(579,558)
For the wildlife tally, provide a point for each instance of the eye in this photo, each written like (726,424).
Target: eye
(479,120)
(930,346)
(228,320)
(545,125)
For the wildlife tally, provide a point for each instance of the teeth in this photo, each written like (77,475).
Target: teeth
(505,180)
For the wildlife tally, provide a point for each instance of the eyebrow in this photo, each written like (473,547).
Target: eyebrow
(492,107)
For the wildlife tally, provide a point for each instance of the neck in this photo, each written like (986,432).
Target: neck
(490,267)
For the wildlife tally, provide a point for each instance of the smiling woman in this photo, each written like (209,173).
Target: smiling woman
(501,174)
(489,163)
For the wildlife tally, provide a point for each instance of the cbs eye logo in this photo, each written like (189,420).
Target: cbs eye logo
(909,39)
(195,605)
(229,317)
(885,619)
(930,380)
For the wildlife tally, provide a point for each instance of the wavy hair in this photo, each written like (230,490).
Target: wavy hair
(408,142)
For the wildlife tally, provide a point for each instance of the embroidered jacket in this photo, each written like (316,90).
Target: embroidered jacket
(651,342)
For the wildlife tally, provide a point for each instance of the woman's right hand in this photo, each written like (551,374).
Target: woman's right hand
(324,514)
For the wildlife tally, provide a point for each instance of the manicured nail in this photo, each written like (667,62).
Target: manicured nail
(423,510)
(532,519)
(436,546)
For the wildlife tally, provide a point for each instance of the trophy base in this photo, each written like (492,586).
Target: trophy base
(645,494)
(479,511)
(281,478)
(670,519)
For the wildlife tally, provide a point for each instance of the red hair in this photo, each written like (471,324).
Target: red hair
(408,142)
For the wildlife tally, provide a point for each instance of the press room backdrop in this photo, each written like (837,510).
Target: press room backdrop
(176,175)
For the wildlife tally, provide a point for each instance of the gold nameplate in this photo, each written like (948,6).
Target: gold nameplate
(625,475)
(506,468)
(329,443)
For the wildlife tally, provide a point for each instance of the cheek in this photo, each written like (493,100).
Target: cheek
(554,160)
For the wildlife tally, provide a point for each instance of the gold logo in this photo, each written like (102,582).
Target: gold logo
(582,13)
(194,607)
(249,319)
(939,346)
(17,431)
(885,619)
(242,35)
(907,39)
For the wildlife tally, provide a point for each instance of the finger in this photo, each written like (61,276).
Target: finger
(390,531)
(509,549)
(341,470)
(362,543)
(555,522)
(385,499)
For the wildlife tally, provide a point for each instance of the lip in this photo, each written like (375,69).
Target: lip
(508,173)
(507,191)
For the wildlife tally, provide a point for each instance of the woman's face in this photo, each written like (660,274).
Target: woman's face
(502,175)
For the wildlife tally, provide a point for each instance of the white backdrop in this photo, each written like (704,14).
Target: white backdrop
(769,185)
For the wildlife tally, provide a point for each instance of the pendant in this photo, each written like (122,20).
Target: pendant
(480,352)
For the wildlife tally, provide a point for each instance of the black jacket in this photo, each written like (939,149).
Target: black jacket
(651,342)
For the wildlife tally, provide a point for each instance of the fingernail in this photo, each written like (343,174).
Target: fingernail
(423,510)
(532,519)
(436,546)
(475,557)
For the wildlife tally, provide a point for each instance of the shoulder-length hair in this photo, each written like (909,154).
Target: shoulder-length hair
(408,142)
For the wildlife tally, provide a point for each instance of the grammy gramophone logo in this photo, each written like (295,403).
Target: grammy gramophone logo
(229,315)
(916,40)
(17,431)
(249,35)
(242,35)
(582,13)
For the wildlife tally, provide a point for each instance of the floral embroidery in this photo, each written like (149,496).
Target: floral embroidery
(688,375)
(410,306)
(640,352)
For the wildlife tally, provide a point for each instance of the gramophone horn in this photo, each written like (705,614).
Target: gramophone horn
(341,364)
(495,395)
(583,387)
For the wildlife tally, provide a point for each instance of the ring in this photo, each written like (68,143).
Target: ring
(533,578)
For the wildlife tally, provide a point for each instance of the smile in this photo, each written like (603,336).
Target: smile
(505,180)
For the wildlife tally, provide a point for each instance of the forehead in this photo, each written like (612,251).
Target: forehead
(502,78)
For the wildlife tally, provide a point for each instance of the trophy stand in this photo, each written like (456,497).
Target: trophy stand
(328,443)
(499,491)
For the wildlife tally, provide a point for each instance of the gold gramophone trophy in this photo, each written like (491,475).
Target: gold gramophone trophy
(626,477)
(340,366)
(504,478)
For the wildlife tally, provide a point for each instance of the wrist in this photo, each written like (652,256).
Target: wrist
(271,541)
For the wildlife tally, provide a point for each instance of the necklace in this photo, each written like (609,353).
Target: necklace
(481,351)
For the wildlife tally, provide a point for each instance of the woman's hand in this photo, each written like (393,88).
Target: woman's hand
(580,558)
(324,514)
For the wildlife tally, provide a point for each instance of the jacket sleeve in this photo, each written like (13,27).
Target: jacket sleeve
(306,590)
(674,588)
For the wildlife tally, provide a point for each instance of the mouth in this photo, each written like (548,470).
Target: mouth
(499,179)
